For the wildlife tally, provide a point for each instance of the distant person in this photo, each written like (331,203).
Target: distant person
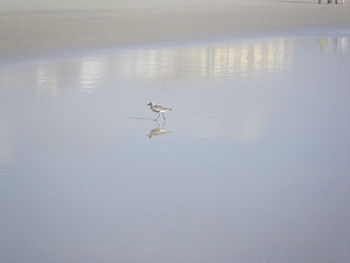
(330,1)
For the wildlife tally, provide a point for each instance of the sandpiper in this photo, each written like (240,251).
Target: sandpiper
(159,109)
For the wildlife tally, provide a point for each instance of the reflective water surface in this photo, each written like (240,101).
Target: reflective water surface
(251,165)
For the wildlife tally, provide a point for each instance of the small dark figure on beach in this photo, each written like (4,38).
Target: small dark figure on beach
(330,1)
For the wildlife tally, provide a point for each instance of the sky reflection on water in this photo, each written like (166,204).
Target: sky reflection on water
(250,166)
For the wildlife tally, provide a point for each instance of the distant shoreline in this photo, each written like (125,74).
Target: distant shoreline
(41,29)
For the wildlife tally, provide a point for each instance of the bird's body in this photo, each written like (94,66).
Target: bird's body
(159,109)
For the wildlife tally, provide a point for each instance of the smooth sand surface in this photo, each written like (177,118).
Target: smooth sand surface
(252,165)
(44,25)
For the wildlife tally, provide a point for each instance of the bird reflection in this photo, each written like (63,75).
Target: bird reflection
(159,130)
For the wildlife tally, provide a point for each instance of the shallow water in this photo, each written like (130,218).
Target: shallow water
(252,164)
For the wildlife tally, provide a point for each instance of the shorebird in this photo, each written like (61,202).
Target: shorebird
(159,109)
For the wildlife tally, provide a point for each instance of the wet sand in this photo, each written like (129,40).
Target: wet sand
(43,26)
(252,165)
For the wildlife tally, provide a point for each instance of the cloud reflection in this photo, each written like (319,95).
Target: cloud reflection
(91,71)
(52,76)
(340,44)
(47,79)
(251,59)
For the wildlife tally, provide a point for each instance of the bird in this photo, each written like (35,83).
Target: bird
(159,109)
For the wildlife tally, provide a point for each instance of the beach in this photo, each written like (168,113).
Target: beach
(44,26)
(251,164)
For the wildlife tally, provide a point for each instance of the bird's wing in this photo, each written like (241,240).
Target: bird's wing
(160,108)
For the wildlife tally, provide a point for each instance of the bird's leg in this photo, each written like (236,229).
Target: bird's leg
(163,124)
(157,117)
(163,116)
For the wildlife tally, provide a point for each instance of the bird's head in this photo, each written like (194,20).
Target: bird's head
(150,103)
